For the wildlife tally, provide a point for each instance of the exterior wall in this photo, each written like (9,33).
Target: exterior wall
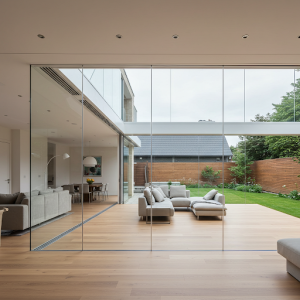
(272,174)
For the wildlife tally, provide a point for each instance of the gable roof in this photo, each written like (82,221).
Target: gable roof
(177,145)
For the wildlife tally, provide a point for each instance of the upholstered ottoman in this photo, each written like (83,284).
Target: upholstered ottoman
(290,249)
(209,209)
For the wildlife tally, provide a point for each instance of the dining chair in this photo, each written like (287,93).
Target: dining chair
(72,192)
(98,191)
(106,190)
(85,189)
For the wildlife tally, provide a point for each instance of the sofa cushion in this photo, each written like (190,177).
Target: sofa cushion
(58,189)
(161,191)
(161,209)
(45,192)
(150,199)
(181,202)
(20,198)
(165,189)
(208,206)
(157,195)
(8,198)
(33,193)
(177,191)
(290,249)
(210,195)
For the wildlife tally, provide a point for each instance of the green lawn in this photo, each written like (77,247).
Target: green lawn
(288,206)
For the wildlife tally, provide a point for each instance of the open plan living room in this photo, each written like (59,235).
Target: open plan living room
(149,150)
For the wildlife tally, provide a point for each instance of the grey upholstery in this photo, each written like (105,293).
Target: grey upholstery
(209,209)
(167,207)
(177,191)
(16,217)
(43,207)
(290,249)
(181,202)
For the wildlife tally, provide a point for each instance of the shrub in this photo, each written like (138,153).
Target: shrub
(209,174)
(255,188)
(294,195)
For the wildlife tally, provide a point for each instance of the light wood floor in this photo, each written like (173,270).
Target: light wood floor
(246,227)
(157,275)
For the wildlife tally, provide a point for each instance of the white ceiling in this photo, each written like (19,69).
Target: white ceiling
(83,32)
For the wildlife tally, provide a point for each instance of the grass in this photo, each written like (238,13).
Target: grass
(285,205)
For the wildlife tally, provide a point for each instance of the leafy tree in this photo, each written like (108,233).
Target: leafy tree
(242,168)
(209,174)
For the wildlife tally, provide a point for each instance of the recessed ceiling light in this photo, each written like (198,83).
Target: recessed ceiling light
(118,36)
(68,121)
(245,36)
(41,36)
(48,110)
(5,115)
(175,36)
(19,95)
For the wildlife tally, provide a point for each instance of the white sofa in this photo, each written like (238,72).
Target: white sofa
(45,205)
(167,207)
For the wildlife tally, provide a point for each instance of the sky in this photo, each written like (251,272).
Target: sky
(190,95)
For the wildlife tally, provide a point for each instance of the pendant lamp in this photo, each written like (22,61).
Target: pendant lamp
(90,161)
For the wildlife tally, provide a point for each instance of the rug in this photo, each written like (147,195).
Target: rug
(22,232)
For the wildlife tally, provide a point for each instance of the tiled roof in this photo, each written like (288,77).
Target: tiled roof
(182,146)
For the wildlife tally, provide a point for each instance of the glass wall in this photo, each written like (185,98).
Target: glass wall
(100,136)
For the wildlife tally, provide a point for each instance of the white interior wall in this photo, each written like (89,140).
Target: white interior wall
(110,166)
(5,134)
(39,146)
(62,166)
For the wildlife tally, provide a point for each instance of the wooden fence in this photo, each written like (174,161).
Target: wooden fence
(271,174)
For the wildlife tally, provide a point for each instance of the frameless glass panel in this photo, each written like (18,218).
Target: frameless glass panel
(189,159)
(265,90)
(56,117)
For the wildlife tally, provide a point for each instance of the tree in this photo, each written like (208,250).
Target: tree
(255,146)
(242,169)
(209,174)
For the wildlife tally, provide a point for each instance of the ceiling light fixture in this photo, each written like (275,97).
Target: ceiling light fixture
(118,36)
(19,95)
(89,161)
(48,110)
(41,36)
(245,36)
(175,36)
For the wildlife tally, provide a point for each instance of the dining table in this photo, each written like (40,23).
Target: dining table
(91,188)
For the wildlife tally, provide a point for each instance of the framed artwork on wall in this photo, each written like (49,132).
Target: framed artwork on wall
(93,171)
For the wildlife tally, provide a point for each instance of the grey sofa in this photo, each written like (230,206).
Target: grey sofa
(43,207)
(290,249)
(167,207)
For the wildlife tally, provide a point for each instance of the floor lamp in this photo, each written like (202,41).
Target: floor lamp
(64,156)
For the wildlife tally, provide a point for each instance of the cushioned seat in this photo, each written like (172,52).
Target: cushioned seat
(208,206)
(181,202)
(290,249)
(160,209)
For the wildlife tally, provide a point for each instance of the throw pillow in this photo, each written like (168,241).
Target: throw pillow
(157,195)
(33,193)
(150,199)
(177,191)
(20,198)
(58,189)
(165,189)
(8,198)
(210,195)
(161,191)
(44,192)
